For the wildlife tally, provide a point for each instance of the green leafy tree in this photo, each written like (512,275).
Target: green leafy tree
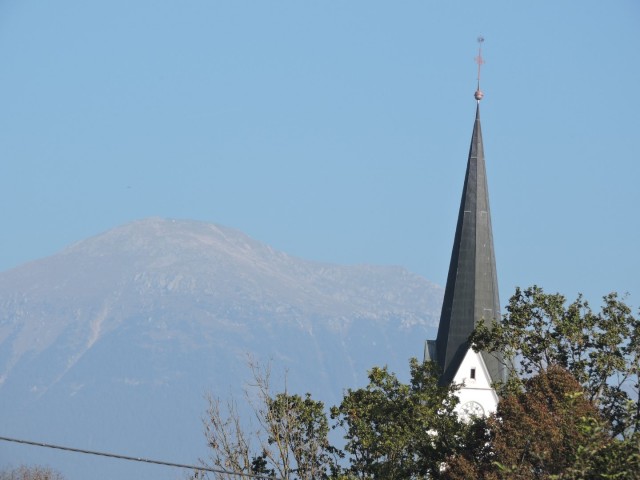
(297,437)
(604,457)
(399,431)
(601,350)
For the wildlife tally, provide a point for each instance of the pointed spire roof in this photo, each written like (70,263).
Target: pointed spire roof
(471,294)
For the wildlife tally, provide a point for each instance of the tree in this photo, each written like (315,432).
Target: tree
(399,431)
(601,350)
(30,473)
(392,430)
(289,439)
(604,457)
(569,410)
(539,432)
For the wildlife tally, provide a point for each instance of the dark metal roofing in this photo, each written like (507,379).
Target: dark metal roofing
(471,294)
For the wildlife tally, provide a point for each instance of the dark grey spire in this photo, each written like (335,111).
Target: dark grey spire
(471,294)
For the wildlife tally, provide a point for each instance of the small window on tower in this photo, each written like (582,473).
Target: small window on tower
(473,374)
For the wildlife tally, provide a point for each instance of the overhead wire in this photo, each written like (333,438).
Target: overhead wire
(138,459)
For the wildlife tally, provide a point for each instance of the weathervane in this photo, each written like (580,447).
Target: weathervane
(479,60)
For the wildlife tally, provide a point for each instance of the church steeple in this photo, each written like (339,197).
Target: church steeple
(471,293)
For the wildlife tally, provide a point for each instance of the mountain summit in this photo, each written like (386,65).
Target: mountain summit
(118,336)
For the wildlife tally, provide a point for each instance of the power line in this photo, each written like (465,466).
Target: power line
(137,459)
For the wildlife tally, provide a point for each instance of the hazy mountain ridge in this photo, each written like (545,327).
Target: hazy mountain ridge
(153,313)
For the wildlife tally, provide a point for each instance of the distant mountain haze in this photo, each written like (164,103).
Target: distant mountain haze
(112,343)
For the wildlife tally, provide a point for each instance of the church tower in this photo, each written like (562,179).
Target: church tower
(471,293)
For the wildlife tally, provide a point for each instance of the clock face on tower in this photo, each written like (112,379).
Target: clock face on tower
(470,410)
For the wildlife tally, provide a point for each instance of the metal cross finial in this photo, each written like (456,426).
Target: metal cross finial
(479,60)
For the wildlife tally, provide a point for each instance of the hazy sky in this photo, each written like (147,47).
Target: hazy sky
(333,130)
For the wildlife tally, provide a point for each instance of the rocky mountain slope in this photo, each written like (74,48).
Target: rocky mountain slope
(112,343)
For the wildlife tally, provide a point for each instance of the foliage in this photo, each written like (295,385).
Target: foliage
(604,457)
(538,432)
(569,410)
(392,430)
(601,350)
(399,431)
(298,432)
(30,473)
(290,441)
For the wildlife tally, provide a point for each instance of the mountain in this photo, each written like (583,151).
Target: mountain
(112,343)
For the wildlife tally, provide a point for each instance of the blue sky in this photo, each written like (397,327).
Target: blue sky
(333,130)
